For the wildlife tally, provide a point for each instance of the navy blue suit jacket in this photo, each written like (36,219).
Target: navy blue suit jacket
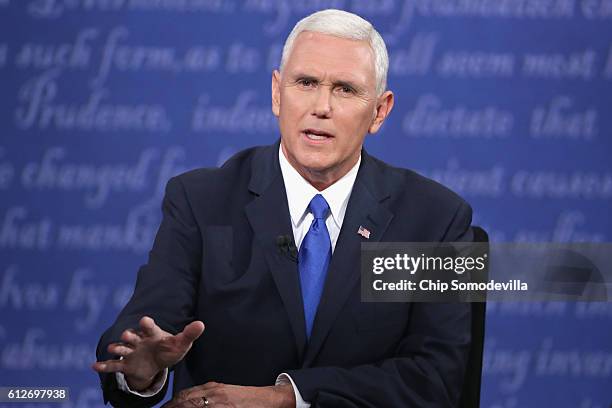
(216,259)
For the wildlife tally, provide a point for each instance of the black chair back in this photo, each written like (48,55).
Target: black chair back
(470,393)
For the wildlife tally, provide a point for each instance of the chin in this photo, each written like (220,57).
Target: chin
(315,164)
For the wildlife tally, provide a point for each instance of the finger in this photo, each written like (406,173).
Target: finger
(198,391)
(212,391)
(120,349)
(190,393)
(194,402)
(148,326)
(218,394)
(109,366)
(130,337)
(190,333)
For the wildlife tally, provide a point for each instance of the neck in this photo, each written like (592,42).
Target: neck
(321,179)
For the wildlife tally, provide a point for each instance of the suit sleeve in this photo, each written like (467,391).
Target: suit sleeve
(165,287)
(427,368)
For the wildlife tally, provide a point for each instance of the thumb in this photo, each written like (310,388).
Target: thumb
(191,332)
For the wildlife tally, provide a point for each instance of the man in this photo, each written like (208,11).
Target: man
(286,329)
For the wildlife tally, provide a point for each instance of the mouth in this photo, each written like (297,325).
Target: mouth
(316,135)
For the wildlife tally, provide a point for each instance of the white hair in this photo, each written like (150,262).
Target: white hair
(344,25)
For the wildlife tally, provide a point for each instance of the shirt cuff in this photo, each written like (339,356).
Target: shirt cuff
(155,388)
(285,378)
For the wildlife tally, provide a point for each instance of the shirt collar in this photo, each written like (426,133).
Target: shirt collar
(300,192)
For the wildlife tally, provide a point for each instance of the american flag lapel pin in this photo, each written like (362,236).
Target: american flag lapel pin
(364,232)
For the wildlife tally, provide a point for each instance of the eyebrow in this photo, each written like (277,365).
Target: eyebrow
(340,82)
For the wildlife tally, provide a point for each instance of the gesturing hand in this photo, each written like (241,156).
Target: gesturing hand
(147,352)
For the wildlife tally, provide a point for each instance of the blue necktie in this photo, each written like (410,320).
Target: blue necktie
(313,259)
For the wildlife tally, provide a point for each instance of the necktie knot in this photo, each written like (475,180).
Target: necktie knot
(319,207)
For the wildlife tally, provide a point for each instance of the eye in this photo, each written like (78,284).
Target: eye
(306,82)
(345,89)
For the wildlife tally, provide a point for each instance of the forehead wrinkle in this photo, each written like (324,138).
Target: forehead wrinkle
(307,49)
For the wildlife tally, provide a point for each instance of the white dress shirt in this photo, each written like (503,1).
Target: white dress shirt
(299,194)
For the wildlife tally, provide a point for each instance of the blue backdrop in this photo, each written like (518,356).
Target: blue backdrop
(101,101)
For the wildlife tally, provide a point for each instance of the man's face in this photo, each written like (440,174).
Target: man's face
(326,103)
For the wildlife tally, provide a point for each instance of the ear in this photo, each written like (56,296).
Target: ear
(383,108)
(276,92)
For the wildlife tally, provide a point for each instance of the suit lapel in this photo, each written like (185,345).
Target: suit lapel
(364,209)
(269,217)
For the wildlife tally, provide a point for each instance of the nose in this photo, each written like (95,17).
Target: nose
(322,104)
